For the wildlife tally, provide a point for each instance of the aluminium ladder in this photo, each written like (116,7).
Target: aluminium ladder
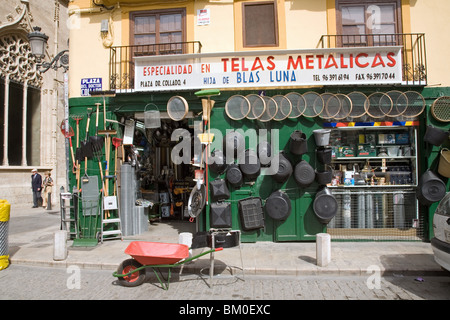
(111,208)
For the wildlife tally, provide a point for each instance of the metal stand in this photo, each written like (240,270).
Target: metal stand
(215,232)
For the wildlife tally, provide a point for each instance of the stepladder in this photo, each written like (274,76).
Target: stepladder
(111,227)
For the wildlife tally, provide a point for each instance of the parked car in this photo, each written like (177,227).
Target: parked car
(440,243)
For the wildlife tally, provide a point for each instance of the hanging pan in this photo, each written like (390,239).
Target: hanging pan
(257,106)
(359,104)
(314,104)
(237,107)
(440,109)
(284,107)
(416,104)
(298,104)
(177,108)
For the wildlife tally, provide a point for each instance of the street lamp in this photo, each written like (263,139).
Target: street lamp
(38,40)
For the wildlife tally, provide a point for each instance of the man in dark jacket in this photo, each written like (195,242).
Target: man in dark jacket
(36,186)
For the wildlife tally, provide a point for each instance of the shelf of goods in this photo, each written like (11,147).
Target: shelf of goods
(374,181)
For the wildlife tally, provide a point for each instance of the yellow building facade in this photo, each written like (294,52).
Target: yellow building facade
(128,56)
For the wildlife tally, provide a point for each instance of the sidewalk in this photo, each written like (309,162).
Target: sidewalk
(31,236)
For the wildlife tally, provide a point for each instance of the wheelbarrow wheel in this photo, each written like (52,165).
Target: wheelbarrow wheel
(134,279)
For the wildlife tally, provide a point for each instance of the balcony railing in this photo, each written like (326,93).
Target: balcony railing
(413,51)
(121,60)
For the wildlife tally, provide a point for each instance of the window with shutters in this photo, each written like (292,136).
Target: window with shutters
(260,24)
(158,32)
(369,23)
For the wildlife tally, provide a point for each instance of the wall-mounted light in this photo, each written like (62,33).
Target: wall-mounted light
(38,41)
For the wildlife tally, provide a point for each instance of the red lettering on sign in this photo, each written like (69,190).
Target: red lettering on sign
(359,64)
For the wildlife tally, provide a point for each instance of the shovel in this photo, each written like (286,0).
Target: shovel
(96,141)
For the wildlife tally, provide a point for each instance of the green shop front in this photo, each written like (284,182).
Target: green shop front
(280,145)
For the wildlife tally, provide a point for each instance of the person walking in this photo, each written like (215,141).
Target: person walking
(36,186)
(47,185)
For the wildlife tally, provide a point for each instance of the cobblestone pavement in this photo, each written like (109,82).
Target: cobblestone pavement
(36,283)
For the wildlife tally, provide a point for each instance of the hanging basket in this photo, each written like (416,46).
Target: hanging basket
(152,117)
(444,163)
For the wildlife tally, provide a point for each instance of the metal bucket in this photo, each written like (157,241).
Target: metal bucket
(322,137)
(152,116)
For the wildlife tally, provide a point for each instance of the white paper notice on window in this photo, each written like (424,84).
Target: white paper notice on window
(203,17)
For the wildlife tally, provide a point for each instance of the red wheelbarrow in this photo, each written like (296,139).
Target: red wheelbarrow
(154,255)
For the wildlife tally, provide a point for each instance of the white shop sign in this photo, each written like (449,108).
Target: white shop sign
(266,69)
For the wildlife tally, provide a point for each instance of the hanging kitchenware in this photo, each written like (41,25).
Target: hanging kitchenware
(284,107)
(346,107)
(298,144)
(324,154)
(250,164)
(416,104)
(435,136)
(264,153)
(271,109)
(322,137)
(430,188)
(332,105)
(324,177)
(177,108)
(152,116)
(284,169)
(219,190)
(197,200)
(325,205)
(234,176)
(399,103)
(251,213)
(379,106)
(314,104)
(278,205)
(440,109)
(298,104)
(304,174)
(359,104)
(237,107)
(233,144)
(220,215)
(444,163)
(216,162)
(257,106)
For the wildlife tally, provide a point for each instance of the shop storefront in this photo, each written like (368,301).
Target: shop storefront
(280,145)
